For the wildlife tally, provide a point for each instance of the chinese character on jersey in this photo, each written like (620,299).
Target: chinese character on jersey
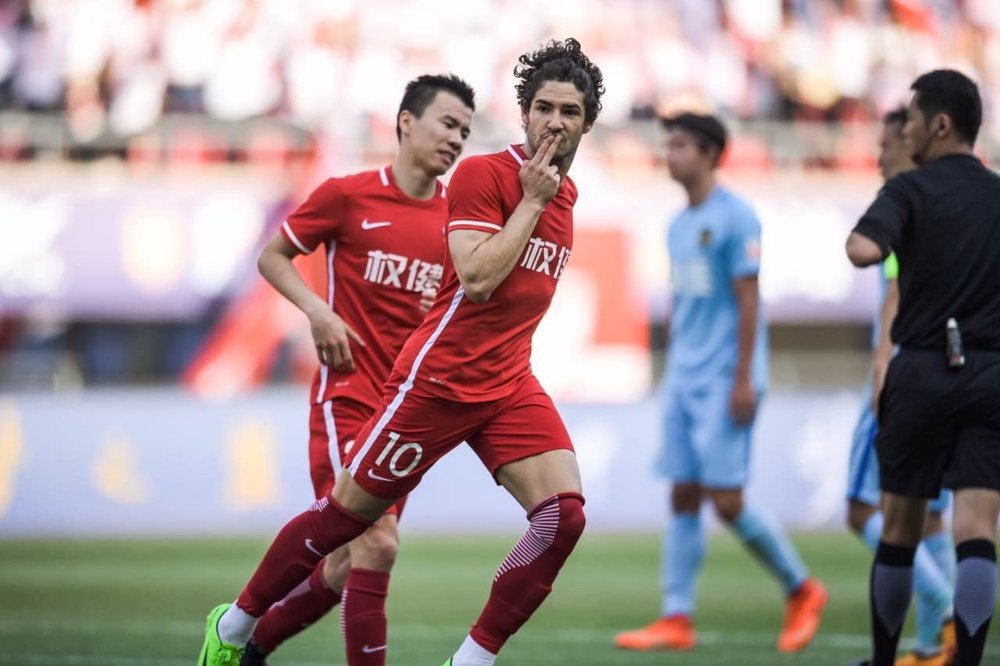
(545,257)
(395,270)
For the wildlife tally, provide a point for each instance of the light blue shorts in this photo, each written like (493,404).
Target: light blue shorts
(701,444)
(862,468)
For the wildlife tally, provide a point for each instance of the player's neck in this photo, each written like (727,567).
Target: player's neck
(413,181)
(947,148)
(699,190)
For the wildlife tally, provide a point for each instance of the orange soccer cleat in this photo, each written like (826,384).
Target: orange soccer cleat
(667,633)
(943,657)
(802,616)
(940,658)
(949,641)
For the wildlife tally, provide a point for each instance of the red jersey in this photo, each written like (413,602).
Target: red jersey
(382,249)
(475,352)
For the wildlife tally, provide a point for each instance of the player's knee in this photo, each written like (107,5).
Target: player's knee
(685,497)
(335,568)
(934,523)
(376,549)
(858,515)
(728,513)
(969,526)
(572,521)
(728,506)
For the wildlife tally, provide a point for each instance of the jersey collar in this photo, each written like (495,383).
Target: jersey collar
(517,153)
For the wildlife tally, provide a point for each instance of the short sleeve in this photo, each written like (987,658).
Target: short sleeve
(743,249)
(475,201)
(886,217)
(890,268)
(317,219)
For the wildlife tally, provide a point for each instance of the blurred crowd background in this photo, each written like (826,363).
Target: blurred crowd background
(149,147)
(120,65)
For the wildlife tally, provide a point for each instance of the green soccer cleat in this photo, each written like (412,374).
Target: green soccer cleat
(213,651)
(447,663)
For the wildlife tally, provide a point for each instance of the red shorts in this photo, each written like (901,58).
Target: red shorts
(409,433)
(333,428)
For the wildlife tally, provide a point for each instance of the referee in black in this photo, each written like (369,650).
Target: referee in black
(939,412)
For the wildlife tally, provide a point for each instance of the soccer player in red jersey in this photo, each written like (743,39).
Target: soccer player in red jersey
(464,373)
(382,232)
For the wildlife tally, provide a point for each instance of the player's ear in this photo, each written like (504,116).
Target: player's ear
(524,119)
(942,124)
(587,127)
(405,121)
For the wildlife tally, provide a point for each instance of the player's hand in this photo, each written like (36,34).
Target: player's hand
(333,339)
(742,403)
(879,369)
(539,177)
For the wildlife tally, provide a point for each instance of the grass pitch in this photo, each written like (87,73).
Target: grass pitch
(142,603)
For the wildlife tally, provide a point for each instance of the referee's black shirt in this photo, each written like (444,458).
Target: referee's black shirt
(943,222)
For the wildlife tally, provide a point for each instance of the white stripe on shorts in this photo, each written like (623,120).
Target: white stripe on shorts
(332,441)
(324,372)
(405,387)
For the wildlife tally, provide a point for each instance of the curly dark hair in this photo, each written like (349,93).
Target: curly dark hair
(560,61)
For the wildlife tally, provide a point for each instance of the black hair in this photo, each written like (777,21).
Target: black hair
(896,116)
(560,61)
(953,94)
(707,130)
(421,91)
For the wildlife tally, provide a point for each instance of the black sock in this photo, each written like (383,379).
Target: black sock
(975,594)
(890,589)
(253,655)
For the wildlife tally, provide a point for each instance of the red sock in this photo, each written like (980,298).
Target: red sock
(525,576)
(362,617)
(300,545)
(308,602)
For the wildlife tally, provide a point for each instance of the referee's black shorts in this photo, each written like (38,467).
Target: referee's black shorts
(939,426)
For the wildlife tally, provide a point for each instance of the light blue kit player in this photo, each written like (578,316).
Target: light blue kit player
(934,564)
(716,375)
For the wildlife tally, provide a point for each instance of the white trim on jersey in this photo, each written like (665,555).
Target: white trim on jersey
(295,239)
(384,176)
(324,371)
(405,387)
(444,192)
(333,444)
(510,149)
(475,223)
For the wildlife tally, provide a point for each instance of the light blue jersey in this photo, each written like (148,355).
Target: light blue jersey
(711,245)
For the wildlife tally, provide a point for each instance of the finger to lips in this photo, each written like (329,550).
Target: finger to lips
(550,150)
(539,155)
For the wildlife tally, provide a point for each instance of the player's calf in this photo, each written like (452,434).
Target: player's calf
(525,577)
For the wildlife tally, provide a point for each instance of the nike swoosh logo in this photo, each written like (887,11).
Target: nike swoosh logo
(368,226)
(309,545)
(369,650)
(373,475)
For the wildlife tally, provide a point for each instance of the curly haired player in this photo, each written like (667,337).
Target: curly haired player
(464,374)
